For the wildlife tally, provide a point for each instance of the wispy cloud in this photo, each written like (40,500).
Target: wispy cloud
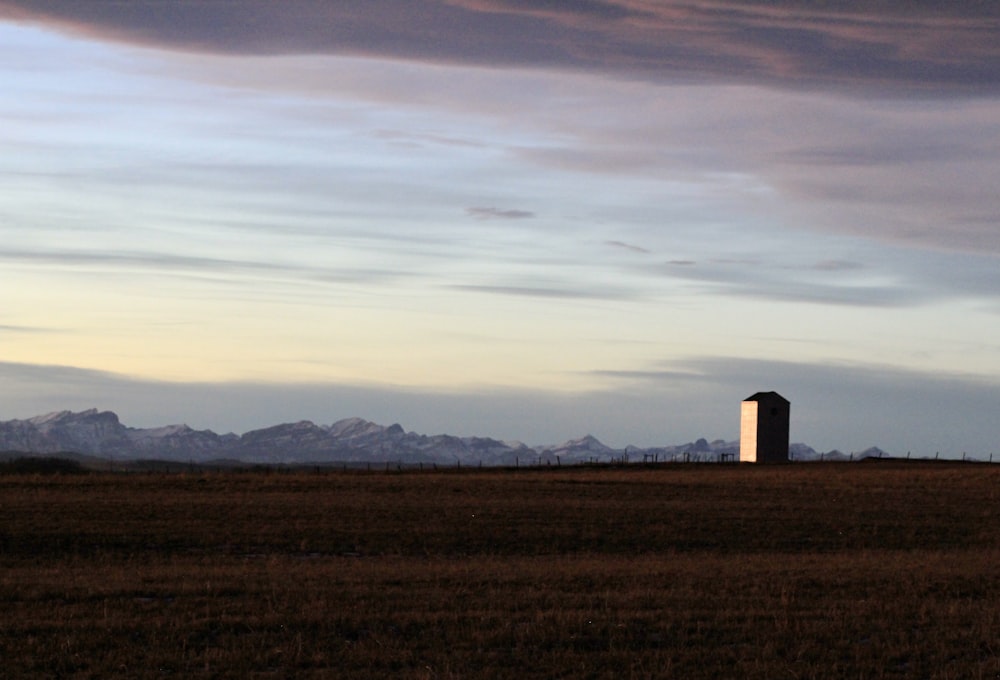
(506,214)
(7,328)
(887,152)
(48,375)
(165,262)
(899,279)
(826,283)
(838,266)
(627,246)
(599,10)
(573,291)
(429,138)
(651,375)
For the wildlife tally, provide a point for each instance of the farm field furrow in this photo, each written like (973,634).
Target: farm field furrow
(806,571)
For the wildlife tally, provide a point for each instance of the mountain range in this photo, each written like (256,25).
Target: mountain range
(353,440)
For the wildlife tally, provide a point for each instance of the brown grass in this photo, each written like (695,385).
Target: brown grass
(805,571)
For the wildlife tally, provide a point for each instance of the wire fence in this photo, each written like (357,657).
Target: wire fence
(54,464)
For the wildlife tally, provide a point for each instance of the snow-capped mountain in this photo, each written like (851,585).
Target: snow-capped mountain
(588,446)
(100,433)
(351,440)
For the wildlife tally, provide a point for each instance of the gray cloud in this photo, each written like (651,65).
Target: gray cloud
(641,376)
(489,213)
(881,151)
(914,172)
(627,246)
(567,293)
(170,262)
(916,47)
(582,9)
(824,283)
(417,139)
(8,328)
(885,277)
(533,416)
(838,266)
(844,406)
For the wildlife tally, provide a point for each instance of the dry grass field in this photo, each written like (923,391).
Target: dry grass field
(882,570)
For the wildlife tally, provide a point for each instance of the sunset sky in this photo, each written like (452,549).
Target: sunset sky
(521,219)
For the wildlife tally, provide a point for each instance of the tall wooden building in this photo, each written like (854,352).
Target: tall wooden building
(764,425)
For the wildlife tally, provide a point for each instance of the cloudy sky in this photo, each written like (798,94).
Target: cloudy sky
(521,219)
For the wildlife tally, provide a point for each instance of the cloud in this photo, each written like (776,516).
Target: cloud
(915,47)
(7,328)
(884,151)
(566,293)
(848,406)
(582,9)
(418,139)
(490,213)
(843,406)
(163,262)
(838,266)
(827,283)
(915,171)
(626,246)
(533,416)
(642,376)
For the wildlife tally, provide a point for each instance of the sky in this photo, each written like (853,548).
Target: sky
(524,220)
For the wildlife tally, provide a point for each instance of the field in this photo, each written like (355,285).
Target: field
(880,570)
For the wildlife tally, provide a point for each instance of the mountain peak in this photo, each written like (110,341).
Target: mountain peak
(586,445)
(70,416)
(354,427)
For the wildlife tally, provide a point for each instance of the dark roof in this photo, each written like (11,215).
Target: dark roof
(766,396)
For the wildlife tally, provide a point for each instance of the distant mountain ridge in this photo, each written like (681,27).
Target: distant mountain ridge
(352,440)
